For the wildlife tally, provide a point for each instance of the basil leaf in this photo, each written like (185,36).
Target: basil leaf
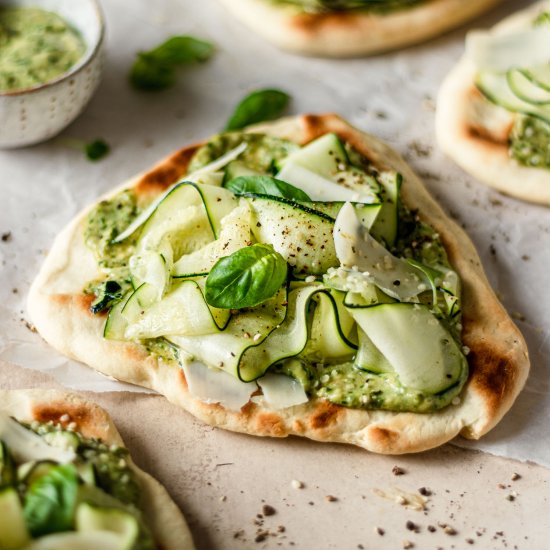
(181,50)
(96,149)
(258,106)
(156,69)
(265,185)
(246,278)
(49,503)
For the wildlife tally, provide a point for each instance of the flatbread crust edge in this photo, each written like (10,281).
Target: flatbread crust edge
(483,158)
(498,358)
(346,34)
(163,516)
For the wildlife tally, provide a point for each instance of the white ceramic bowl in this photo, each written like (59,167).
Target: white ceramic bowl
(35,114)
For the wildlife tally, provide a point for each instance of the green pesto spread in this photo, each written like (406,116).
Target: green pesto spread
(383,6)
(530,142)
(261,154)
(338,381)
(36,46)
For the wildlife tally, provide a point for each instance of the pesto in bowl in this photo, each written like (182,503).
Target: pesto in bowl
(36,46)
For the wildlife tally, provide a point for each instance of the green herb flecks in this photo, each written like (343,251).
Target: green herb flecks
(246,278)
(266,185)
(97,149)
(155,70)
(258,106)
(107,293)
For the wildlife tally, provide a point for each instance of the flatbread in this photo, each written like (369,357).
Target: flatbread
(163,516)
(485,154)
(498,358)
(344,34)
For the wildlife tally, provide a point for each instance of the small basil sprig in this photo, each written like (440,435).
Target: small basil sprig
(246,278)
(156,69)
(50,501)
(258,106)
(265,185)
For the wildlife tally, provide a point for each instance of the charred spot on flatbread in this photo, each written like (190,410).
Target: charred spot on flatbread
(325,416)
(165,174)
(90,421)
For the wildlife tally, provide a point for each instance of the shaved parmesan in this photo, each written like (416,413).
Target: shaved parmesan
(216,386)
(198,176)
(357,250)
(25,445)
(281,391)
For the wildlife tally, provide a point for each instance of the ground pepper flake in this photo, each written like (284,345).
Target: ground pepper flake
(268,510)
(6,237)
(411,526)
(425,492)
(397,471)
(331,498)
(380,531)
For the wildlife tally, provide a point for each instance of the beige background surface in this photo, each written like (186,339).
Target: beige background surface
(222,481)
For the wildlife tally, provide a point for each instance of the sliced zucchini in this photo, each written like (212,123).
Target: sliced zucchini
(424,356)
(288,340)
(207,178)
(324,156)
(527,89)
(152,268)
(236,169)
(89,519)
(384,228)
(234,235)
(7,466)
(182,311)
(359,181)
(369,358)
(13,531)
(494,86)
(539,75)
(367,213)
(126,313)
(330,332)
(99,540)
(504,51)
(302,236)
(320,188)
(247,329)
(215,201)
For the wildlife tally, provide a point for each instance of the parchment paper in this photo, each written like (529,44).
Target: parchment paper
(391,95)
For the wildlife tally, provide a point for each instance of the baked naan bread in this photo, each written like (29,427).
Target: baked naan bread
(64,415)
(355,32)
(497,358)
(476,133)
